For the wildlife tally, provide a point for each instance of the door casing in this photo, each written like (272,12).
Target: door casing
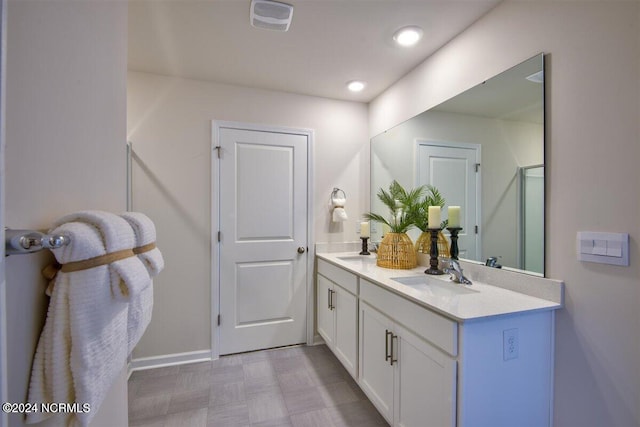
(216,125)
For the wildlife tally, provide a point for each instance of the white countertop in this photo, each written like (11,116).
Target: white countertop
(488,301)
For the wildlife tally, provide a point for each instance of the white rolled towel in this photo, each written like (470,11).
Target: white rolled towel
(339,214)
(141,306)
(145,232)
(83,346)
(117,235)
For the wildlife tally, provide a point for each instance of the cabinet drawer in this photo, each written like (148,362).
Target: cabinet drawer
(436,329)
(348,281)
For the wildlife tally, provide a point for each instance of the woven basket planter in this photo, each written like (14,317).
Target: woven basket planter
(396,251)
(423,244)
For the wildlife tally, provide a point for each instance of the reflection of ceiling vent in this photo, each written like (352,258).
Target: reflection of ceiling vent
(271,15)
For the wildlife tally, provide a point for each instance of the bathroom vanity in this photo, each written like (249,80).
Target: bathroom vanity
(429,352)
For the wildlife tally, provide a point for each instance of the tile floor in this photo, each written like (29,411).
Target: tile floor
(293,386)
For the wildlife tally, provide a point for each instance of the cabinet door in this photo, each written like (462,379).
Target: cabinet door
(376,373)
(325,312)
(346,336)
(425,384)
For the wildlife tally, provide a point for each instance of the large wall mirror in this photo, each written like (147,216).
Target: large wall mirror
(484,151)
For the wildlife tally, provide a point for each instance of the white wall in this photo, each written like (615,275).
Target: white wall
(65,151)
(169,123)
(593,147)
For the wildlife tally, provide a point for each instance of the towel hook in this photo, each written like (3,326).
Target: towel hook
(29,241)
(334,194)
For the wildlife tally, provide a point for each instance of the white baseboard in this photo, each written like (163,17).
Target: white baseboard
(317,339)
(169,360)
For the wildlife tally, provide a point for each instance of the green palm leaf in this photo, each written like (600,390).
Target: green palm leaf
(400,203)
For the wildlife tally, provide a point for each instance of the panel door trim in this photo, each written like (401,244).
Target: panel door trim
(216,126)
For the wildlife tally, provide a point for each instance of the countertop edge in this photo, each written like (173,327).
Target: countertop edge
(541,304)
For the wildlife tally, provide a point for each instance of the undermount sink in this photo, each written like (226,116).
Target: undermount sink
(359,259)
(434,286)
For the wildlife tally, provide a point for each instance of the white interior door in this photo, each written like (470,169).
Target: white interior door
(263,243)
(451,168)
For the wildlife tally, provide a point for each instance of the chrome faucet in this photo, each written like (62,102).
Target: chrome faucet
(493,262)
(456,272)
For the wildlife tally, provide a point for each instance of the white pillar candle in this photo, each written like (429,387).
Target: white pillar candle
(364,229)
(398,217)
(434,217)
(454,216)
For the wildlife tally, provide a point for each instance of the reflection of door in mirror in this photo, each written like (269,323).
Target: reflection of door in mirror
(531,227)
(451,168)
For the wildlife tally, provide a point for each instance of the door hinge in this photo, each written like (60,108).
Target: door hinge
(218,149)
(477,167)
(476,229)
(219,236)
(218,320)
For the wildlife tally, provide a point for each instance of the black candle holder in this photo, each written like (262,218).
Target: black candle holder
(454,241)
(433,261)
(365,246)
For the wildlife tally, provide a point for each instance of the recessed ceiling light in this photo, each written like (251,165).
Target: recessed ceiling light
(408,36)
(356,85)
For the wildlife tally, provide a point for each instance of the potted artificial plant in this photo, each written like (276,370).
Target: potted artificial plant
(396,249)
(419,213)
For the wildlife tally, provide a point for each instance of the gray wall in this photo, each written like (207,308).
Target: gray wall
(65,151)
(593,146)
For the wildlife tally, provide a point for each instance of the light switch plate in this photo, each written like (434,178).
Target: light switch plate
(599,247)
(603,248)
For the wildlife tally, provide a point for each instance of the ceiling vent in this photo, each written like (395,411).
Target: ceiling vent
(271,15)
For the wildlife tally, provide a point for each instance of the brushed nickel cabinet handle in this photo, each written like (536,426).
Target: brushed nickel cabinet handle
(393,337)
(386,344)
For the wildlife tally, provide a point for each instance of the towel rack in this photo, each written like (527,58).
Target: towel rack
(335,194)
(28,241)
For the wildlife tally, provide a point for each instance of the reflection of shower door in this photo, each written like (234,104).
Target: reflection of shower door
(531,227)
(451,168)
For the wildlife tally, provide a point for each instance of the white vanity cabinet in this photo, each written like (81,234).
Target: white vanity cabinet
(411,381)
(337,309)
(433,359)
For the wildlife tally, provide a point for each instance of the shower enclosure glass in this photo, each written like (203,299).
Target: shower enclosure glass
(532,218)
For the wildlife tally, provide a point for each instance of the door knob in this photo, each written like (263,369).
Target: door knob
(301,249)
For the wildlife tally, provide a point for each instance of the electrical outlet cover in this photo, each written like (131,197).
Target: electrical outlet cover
(511,344)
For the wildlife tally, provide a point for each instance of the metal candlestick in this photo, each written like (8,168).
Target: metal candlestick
(433,261)
(365,246)
(454,241)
